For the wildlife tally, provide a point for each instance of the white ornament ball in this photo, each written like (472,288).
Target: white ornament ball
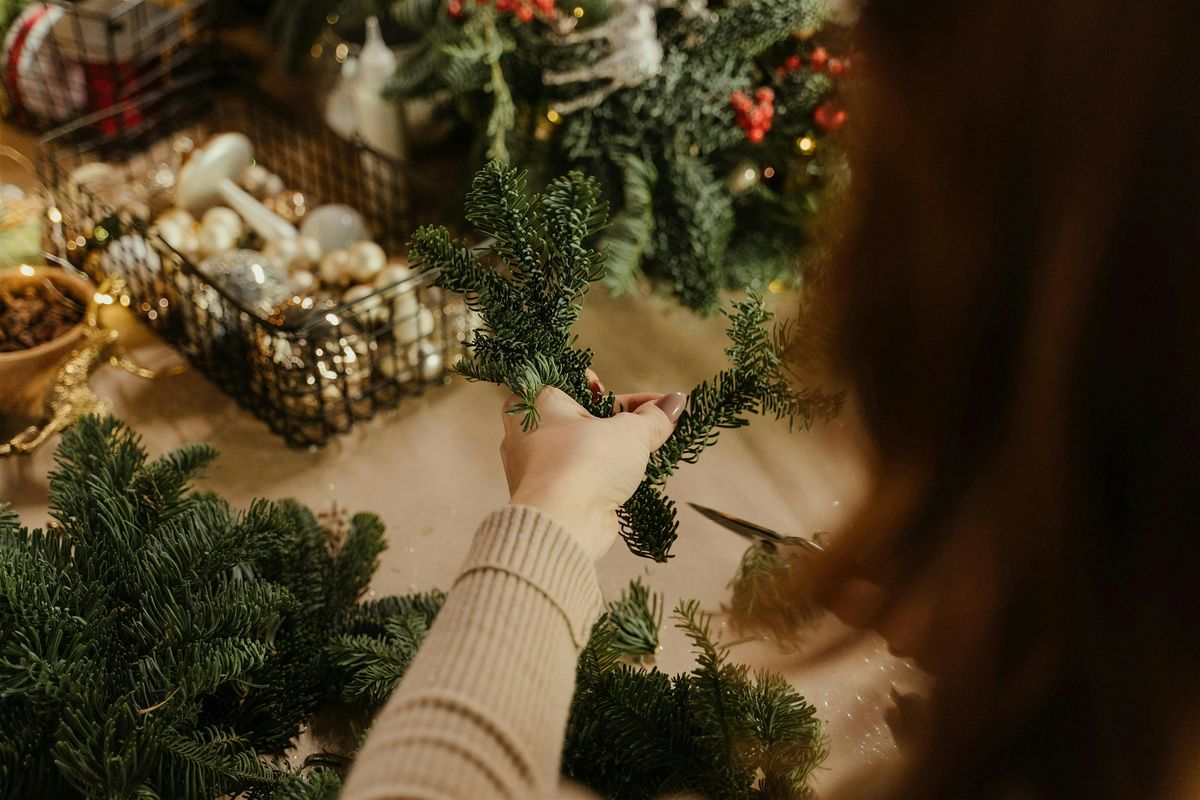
(405,306)
(413,327)
(288,254)
(222,217)
(176,216)
(310,247)
(395,272)
(401,366)
(190,245)
(273,185)
(216,239)
(94,176)
(177,228)
(432,366)
(254,178)
(417,362)
(336,227)
(333,268)
(366,260)
(369,310)
(302,281)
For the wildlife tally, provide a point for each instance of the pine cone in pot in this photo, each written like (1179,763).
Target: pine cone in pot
(42,311)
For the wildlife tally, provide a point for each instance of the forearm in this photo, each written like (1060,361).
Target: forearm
(483,708)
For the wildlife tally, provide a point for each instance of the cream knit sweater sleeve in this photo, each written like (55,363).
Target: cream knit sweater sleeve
(483,709)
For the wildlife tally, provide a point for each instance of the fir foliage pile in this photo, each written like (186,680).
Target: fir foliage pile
(154,642)
(528,287)
(718,731)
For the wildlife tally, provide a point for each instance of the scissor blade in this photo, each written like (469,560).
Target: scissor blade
(752,531)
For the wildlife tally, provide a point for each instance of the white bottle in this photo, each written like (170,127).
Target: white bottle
(379,120)
(340,113)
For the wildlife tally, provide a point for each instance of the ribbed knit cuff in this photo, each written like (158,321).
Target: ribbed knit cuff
(524,542)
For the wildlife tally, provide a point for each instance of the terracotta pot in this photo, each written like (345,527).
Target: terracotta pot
(24,374)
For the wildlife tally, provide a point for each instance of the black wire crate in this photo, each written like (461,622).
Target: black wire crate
(310,363)
(71,60)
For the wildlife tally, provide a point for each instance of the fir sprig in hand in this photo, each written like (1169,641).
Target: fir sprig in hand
(528,285)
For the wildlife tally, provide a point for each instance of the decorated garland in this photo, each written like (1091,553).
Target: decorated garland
(707,124)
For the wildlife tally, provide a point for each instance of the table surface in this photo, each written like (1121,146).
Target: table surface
(431,470)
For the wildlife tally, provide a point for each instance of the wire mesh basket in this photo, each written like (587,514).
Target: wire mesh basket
(67,60)
(311,366)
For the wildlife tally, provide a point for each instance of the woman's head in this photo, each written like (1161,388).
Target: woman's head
(1015,305)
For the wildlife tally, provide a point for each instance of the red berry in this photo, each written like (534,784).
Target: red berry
(822,115)
(829,118)
(768,113)
(780,72)
(765,94)
(524,13)
(455,8)
(819,58)
(836,66)
(792,62)
(755,135)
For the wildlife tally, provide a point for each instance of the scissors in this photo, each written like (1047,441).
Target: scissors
(755,532)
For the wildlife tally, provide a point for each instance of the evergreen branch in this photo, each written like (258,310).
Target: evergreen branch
(635,619)
(369,668)
(317,784)
(716,732)
(630,238)
(503,115)
(745,28)
(528,313)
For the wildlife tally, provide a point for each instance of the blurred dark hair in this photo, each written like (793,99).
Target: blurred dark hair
(1016,307)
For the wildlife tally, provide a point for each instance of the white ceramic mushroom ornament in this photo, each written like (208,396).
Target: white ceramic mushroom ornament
(210,176)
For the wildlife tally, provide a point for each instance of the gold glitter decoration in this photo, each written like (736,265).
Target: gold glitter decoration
(70,394)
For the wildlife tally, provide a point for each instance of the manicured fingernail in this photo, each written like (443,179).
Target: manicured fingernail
(672,405)
(597,388)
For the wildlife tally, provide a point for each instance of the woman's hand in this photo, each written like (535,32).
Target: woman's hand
(578,468)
